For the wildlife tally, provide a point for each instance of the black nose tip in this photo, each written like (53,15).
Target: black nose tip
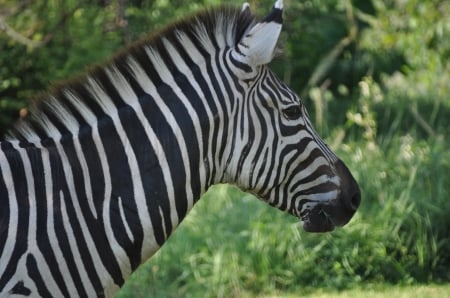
(351,195)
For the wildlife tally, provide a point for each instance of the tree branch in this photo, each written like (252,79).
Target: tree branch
(33,44)
(16,36)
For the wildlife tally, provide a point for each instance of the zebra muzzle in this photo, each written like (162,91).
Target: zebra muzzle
(325,216)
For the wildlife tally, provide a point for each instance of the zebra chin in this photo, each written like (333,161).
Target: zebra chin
(324,218)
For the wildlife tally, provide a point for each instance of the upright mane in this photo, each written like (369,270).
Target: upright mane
(69,105)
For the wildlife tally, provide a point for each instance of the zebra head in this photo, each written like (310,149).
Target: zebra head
(277,154)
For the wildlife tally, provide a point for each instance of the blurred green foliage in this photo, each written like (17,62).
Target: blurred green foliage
(376,77)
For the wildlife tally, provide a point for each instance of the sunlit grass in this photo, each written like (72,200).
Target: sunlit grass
(374,291)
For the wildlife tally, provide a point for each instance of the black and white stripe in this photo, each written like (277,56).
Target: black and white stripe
(106,167)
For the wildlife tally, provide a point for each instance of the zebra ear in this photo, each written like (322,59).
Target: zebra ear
(245,6)
(257,46)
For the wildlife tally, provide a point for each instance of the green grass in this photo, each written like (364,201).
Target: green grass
(376,291)
(233,245)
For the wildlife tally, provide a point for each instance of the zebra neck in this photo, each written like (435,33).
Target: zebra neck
(121,186)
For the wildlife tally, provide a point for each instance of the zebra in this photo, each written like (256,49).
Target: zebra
(103,169)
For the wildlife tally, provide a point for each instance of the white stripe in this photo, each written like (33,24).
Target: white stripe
(312,167)
(163,219)
(13,213)
(267,170)
(150,245)
(87,285)
(167,77)
(184,68)
(54,243)
(101,271)
(233,112)
(101,97)
(195,55)
(33,249)
(20,275)
(225,133)
(201,33)
(64,115)
(318,181)
(124,220)
(80,154)
(125,90)
(119,253)
(302,156)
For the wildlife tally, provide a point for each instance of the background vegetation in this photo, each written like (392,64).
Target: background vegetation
(376,77)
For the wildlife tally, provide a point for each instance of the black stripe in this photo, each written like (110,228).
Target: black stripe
(238,64)
(42,239)
(264,166)
(149,167)
(104,81)
(60,185)
(208,92)
(21,190)
(184,120)
(35,275)
(273,160)
(121,186)
(227,96)
(5,212)
(68,105)
(92,225)
(321,170)
(81,91)
(261,144)
(95,226)
(155,190)
(276,15)
(245,20)
(290,163)
(155,193)
(4,224)
(53,117)
(185,123)
(283,93)
(247,105)
(317,189)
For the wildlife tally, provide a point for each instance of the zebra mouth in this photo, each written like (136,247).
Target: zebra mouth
(317,220)
(325,216)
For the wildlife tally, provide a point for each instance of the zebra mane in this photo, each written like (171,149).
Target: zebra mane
(68,105)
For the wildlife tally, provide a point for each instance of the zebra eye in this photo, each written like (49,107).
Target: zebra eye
(293,112)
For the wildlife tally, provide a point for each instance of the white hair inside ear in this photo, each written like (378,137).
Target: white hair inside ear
(258,46)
